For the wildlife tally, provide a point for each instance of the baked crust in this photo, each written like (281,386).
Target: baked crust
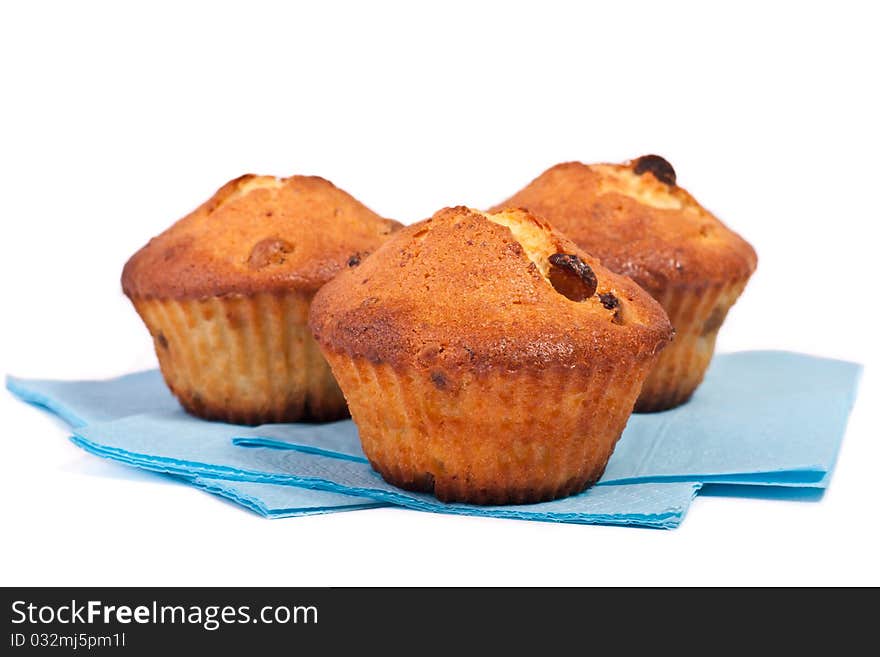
(257,234)
(639,224)
(459,293)
(487,359)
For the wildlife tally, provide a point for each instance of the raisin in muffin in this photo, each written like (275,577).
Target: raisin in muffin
(225,293)
(639,222)
(486,358)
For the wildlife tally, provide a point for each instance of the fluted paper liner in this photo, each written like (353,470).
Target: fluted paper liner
(245,359)
(697,317)
(491,437)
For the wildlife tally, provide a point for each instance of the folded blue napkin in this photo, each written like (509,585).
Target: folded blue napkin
(178,444)
(79,403)
(161,437)
(280,501)
(760,418)
(770,418)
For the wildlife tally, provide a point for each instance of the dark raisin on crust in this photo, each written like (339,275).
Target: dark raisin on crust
(657,165)
(354,260)
(270,251)
(572,277)
(609,301)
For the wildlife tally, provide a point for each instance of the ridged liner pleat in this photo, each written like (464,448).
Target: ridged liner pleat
(683,363)
(243,359)
(493,437)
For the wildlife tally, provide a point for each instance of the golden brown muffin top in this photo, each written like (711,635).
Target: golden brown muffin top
(258,234)
(638,222)
(465,289)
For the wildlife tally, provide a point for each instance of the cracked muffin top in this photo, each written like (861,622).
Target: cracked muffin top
(258,234)
(638,222)
(466,289)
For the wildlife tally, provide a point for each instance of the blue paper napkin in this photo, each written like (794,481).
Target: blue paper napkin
(768,418)
(79,403)
(163,438)
(761,418)
(175,443)
(280,501)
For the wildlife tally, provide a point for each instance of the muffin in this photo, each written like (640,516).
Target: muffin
(225,294)
(640,223)
(486,358)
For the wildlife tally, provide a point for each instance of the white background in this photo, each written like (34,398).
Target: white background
(116,121)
